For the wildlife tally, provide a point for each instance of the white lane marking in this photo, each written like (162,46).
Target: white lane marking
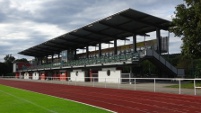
(30,102)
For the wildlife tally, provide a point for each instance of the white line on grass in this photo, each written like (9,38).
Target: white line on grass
(25,100)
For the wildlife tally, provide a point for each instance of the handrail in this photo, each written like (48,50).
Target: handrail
(90,61)
(131,56)
(136,81)
(153,53)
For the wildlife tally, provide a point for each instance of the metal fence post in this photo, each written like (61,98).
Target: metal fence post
(105,82)
(67,80)
(154,85)
(118,83)
(135,84)
(195,93)
(179,86)
(93,81)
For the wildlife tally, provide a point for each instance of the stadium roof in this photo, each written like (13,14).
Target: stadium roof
(118,26)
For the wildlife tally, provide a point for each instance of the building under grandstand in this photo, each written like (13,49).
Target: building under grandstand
(60,56)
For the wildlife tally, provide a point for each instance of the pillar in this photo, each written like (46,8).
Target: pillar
(158,36)
(131,74)
(52,58)
(37,60)
(115,46)
(134,43)
(58,55)
(30,75)
(57,75)
(75,54)
(87,52)
(90,75)
(100,51)
(54,75)
(46,59)
(41,61)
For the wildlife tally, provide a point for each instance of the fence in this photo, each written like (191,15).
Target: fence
(130,56)
(165,85)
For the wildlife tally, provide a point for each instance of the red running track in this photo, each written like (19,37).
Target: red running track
(122,101)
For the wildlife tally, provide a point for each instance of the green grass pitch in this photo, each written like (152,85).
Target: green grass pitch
(14,100)
(188,85)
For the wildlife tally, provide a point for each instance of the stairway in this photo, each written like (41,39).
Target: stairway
(159,61)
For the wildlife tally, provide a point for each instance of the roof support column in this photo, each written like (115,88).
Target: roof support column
(131,74)
(46,59)
(52,58)
(41,60)
(115,46)
(87,51)
(59,57)
(36,59)
(75,54)
(134,43)
(100,51)
(158,36)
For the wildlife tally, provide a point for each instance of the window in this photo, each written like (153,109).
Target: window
(108,72)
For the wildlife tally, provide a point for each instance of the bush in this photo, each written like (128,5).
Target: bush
(10,74)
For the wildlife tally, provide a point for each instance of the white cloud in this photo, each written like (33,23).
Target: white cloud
(21,32)
(11,31)
(15,38)
(31,6)
(100,10)
(5,43)
(26,23)
(48,31)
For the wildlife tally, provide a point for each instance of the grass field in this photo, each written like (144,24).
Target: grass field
(14,100)
(188,85)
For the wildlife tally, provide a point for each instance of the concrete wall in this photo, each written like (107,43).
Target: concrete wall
(17,74)
(35,76)
(105,69)
(14,67)
(110,75)
(21,76)
(63,75)
(77,75)
(26,75)
(43,75)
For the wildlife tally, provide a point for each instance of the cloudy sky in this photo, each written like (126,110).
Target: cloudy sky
(25,23)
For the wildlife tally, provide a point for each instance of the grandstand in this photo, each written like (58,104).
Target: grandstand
(59,56)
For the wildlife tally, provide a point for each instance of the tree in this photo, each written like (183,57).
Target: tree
(9,63)
(187,24)
(2,69)
(9,59)
(21,60)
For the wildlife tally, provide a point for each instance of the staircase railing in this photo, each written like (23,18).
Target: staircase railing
(152,53)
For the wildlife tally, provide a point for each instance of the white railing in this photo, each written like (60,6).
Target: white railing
(143,84)
(153,53)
